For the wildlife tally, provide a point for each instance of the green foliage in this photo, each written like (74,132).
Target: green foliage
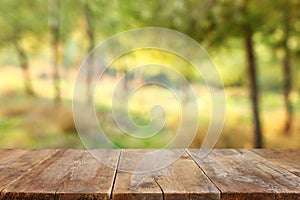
(219,26)
(22,19)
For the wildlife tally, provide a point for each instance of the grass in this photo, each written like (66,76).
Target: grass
(35,122)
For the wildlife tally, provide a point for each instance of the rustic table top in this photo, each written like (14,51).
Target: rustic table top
(224,174)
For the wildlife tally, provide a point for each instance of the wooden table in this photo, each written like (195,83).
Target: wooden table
(224,174)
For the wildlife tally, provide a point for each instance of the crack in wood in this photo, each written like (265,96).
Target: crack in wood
(162,191)
(115,175)
(192,157)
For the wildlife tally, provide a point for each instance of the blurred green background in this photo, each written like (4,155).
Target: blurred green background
(254,44)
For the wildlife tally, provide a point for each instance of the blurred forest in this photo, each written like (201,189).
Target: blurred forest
(254,44)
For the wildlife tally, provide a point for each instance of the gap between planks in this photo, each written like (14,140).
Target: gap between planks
(161,189)
(115,175)
(54,167)
(242,173)
(187,151)
(262,160)
(162,182)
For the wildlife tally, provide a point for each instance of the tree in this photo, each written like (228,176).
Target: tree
(63,21)
(54,23)
(213,23)
(18,22)
(249,47)
(23,59)
(288,13)
(89,29)
(284,21)
(287,85)
(242,19)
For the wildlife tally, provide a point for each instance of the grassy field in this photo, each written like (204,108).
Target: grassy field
(36,122)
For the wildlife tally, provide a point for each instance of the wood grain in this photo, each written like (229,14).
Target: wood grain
(181,180)
(15,163)
(86,177)
(68,174)
(184,180)
(241,174)
(230,174)
(24,187)
(9,155)
(288,159)
(134,186)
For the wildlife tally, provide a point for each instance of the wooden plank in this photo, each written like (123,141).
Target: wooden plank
(183,179)
(70,174)
(87,177)
(9,155)
(133,185)
(21,188)
(76,174)
(15,163)
(244,175)
(288,159)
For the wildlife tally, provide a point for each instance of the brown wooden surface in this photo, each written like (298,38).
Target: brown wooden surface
(242,174)
(134,186)
(288,159)
(14,164)
(67,174)
(76,174)
(185,179)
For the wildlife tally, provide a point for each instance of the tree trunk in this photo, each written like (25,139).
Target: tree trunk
(91,44)
(251,67)
(54,28)
(124,88)
(253,86)
(125,82)
(23,59)
(287,85)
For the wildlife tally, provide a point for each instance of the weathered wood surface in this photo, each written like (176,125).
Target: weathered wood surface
(134,186)
(242,174)
(76,174)
(14,164)
(67,174)
(288,159)
(182,179)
